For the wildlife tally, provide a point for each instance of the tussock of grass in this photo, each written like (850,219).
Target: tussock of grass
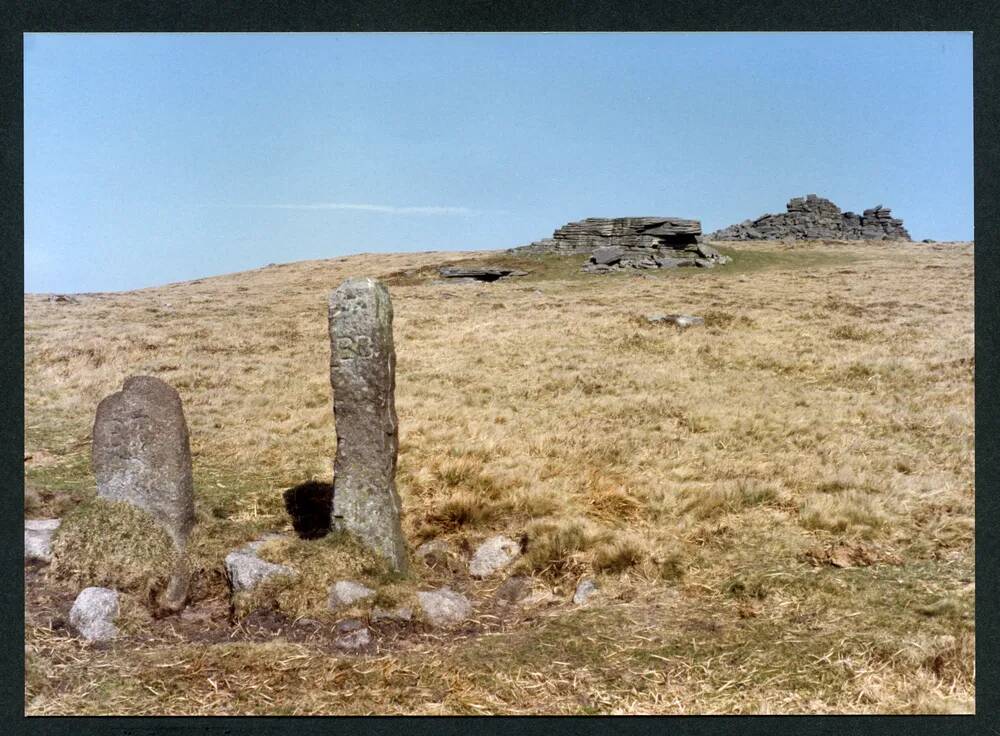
(319,563)
(851,512)
(617,556)
(852,332)
(728,497)
(554,548)
(112,544)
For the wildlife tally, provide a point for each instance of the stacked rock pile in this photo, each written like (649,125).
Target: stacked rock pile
(631,242)
(816,218)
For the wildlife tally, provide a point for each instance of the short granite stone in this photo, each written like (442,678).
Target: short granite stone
(346,592)
(444,607)
(493,554)
(94,612)
(38,535)
(584,590)
(141,454)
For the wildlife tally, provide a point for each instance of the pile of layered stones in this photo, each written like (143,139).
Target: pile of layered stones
(620,243)
(816,218)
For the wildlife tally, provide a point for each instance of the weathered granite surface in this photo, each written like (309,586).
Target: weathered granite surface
(629,242)
(363,378)
(816,218)
(141,455)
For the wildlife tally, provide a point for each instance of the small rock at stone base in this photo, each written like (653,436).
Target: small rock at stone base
(444,607)
(346,592)
(38,539)
(584,591)
(246,571)
(493,554)
(354,640)
(94,612)
(440,555)
(704,263)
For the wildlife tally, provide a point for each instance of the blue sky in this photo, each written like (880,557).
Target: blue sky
(152,158)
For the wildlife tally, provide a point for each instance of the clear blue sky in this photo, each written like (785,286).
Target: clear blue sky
(159,158)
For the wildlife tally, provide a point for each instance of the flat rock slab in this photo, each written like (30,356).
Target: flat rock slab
(492,555)
(246,570)
(607,256)
(94,612)
(347,592)
(444,607)
(38,535)
(680,320)
(486,274)
(363,378)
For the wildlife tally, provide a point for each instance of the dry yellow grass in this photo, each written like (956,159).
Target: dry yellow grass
(828,400)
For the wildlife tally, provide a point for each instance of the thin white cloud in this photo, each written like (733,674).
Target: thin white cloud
(382,208)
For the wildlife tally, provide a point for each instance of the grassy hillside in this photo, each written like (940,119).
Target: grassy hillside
(706,477)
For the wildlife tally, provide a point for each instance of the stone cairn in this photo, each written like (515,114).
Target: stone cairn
(141,455)
(631,242)
(815,218)
(363,377)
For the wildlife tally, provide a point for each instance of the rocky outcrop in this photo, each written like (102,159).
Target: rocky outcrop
(816,218)
(630,242)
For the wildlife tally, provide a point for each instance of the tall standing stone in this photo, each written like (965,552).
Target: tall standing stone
(141,455)
(363,377)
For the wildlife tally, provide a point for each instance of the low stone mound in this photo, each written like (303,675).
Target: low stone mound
(816,218)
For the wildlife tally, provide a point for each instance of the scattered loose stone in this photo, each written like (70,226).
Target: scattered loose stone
(681,320)
(94,612)
(363,377)
(354,634)
(584,591)
(493,554)
(246,570)
(346,592)
(514,589)
(38,539)
(402,613)
(444,607)
(437,553)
